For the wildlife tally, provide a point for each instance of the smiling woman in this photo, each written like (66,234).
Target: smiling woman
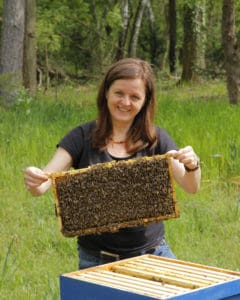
(125,99)
(124,129)
(128,94)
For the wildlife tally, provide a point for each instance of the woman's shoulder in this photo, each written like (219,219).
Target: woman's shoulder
(160,131)
(85,127)
(88,126)
(80,132)
(165,141)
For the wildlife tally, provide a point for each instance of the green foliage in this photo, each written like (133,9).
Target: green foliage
(23,101)
(81,37)
(114,19)
(77,34)
(147,41)
(57,21)
(33,253)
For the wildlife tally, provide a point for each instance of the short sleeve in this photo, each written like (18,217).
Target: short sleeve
(73,143)
(165,142)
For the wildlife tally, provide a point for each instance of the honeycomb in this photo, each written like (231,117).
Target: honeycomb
(108,196)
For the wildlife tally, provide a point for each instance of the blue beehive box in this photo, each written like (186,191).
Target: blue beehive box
(150,277)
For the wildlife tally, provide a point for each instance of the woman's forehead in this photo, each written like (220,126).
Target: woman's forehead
(129,84)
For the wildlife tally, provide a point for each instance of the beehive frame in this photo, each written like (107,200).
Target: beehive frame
(109,196)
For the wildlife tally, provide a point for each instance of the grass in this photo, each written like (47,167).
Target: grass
(33,254)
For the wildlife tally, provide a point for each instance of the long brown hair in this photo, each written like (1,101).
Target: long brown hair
(141,132)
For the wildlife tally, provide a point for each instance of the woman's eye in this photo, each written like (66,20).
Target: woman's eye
(119,94)
(135,98)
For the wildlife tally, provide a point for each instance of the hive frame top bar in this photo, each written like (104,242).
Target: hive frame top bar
(105,193)
(154,277)
(110,164)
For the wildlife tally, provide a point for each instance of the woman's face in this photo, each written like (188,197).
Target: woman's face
(125,99)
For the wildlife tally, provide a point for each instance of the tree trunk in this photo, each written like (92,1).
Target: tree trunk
(153,40)
(123,34)
(47,78)
(201,36)
(194,41)
(136,28)
(172,35)
(189,44)
(29,58)
(231,51)
(99,39)
(12,49)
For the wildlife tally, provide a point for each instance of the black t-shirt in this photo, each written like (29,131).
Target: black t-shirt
(78,144)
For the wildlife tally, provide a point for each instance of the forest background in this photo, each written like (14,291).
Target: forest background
(53,55)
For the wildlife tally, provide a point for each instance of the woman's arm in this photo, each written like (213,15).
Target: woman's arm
(186,169)
(37,181)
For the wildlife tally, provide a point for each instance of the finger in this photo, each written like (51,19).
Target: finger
(35,173)
(172,153)
(33,182)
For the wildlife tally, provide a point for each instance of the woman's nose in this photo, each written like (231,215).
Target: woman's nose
(126,100)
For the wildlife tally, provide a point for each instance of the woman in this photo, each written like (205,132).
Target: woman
(124,129)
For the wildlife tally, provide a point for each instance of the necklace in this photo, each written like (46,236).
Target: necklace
(117,142)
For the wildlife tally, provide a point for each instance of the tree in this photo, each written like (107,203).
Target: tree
(214,56)
(231,51)
(136,28)
(172,35)
(123,31)
(201,36)
(76,39)
(12,49)
(152,35)
(29,57)
(189,43)
(194,40)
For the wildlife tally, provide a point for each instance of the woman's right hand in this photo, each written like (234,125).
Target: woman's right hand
(38,181)
(34,178)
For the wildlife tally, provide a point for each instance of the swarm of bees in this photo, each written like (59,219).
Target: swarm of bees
(108,196)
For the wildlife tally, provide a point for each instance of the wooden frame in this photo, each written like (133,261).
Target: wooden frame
(109,196)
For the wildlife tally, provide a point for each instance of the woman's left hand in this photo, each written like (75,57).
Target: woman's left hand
(187,156)
(186,168)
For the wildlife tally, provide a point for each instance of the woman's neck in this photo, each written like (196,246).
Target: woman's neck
(117,141)
(117,146)
(119,133)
